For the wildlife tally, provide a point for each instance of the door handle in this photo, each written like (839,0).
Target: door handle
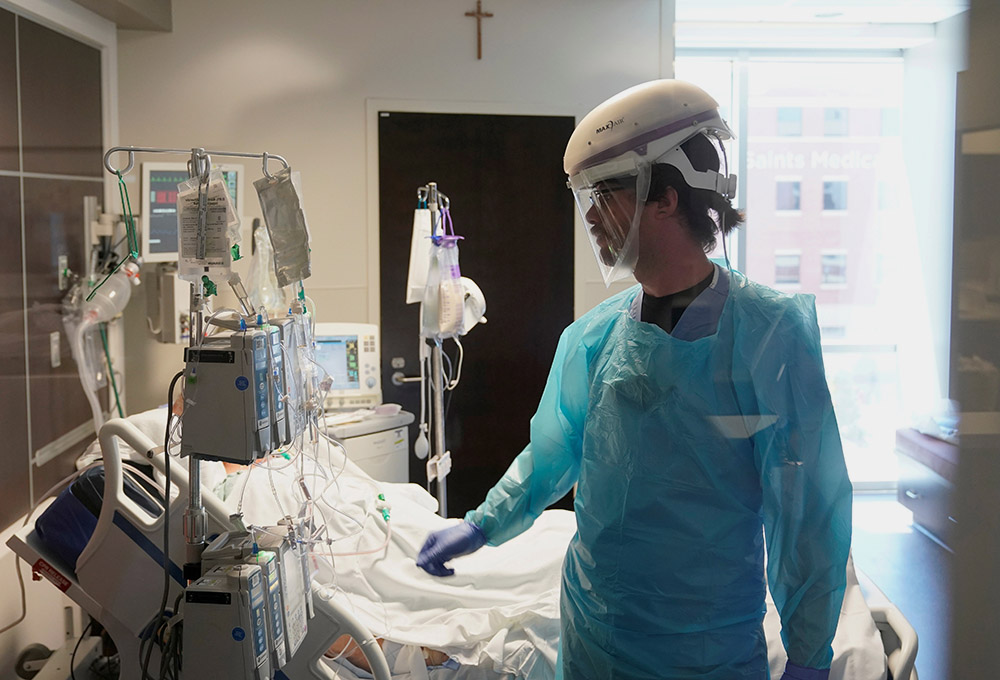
(399,378)
(911,494)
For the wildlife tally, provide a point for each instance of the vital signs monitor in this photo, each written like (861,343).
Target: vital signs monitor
(158,215)
(349,354)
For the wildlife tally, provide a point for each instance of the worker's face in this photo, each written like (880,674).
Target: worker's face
(609,220)
(610,207)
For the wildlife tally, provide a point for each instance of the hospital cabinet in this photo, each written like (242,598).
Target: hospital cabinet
(378,444)
(927,469)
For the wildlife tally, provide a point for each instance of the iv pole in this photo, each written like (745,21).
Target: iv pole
(195,517)
(438,452)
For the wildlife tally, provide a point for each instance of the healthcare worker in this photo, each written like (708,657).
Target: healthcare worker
(693,412)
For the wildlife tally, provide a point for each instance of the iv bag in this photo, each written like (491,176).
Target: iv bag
(420,255)
(281,202)
(206,222)
(444,294)
(264,290)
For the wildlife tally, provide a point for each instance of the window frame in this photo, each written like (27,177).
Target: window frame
(778,121)
(840,179)
(788,179)
(788,285)
(832,285)
(846,112)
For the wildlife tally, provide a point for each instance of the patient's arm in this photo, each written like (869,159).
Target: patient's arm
(346,648)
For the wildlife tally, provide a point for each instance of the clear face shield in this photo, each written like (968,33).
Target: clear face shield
(611,198)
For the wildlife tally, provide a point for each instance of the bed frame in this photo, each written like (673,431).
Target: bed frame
(898,636)
(117,578)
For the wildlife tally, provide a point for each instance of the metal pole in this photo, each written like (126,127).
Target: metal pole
(437,415)
(194,516)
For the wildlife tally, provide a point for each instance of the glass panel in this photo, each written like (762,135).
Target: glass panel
(837,223)
(788,195)
(834,267)
(835,122)
(8,95)
(13,395)
(890,122)
(53,227)
(835,126)
(60,103)
(789,121)
(786,268)
(835,195)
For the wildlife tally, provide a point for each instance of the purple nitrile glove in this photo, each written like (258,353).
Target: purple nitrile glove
(446,544)
(795,672)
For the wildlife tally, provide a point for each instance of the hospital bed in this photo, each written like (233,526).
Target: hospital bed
(110,593)
(117,578)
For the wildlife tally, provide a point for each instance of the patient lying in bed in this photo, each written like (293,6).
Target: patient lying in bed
(498,616)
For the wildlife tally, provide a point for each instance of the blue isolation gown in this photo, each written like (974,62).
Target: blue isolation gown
(692,451)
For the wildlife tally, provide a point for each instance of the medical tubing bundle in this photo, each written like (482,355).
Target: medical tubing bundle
(315,540)
(381,505)
(111,370)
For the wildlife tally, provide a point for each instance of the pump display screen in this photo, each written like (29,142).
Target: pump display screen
(338,355)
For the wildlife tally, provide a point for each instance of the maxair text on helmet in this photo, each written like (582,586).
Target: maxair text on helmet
(609,125)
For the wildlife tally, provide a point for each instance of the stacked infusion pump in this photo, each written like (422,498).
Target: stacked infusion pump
(235,405)
(247,615)
(245,396)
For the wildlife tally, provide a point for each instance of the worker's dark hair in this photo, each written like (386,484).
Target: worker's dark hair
(706,213)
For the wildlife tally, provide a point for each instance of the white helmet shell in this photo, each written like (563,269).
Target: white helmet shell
(647,120)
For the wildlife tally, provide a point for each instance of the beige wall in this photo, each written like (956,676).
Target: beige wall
(294,78)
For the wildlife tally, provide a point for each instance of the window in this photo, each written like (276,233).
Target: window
(887,196)
(788,195)
(890,122)
(786,268)
(788,107)
(834,266)
(835,195)
(835,122)
(789,121)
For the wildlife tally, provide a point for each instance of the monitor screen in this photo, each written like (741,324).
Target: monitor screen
(159,206)
(162,214)
(338,355)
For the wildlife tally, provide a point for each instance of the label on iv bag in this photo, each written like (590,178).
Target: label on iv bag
(203,218)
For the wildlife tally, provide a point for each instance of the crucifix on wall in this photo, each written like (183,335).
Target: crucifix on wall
(479,14)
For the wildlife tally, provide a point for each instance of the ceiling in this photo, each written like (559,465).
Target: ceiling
(820,11)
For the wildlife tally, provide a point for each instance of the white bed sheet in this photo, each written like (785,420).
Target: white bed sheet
(498,616)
